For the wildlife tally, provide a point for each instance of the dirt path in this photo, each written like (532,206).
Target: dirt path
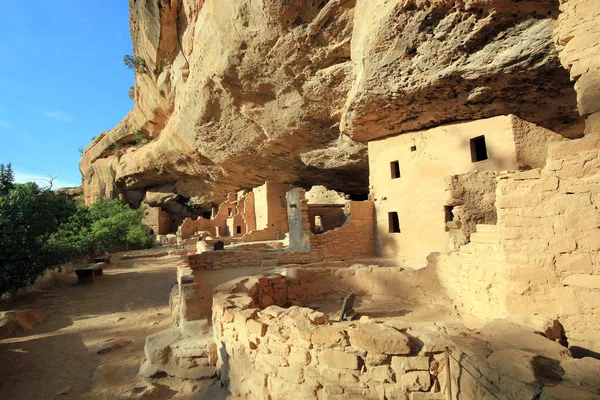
(130,302)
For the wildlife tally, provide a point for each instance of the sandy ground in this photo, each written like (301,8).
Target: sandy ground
(130,302)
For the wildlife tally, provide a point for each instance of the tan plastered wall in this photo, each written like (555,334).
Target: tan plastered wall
(545,255)
(418,195)
(261,207)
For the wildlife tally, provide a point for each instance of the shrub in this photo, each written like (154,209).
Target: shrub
(29,216)
(135,63)
(131,93)
(41,229)
(140,138)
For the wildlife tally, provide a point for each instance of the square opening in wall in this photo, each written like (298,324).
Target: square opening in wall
(238,229)
(448,213)
(229,211)
(395,169)
(413,148)
(394,222)
(478,149)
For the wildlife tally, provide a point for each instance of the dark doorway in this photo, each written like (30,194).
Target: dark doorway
(394,222)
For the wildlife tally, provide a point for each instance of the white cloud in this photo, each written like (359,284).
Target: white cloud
(43,180)
(58,115)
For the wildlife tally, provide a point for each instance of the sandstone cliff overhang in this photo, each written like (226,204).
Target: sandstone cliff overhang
(237,93)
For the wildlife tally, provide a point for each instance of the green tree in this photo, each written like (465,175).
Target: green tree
(135,63)
(29,216)
(7,178)
(41,229)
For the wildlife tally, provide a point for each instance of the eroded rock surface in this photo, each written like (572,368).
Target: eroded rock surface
(13,323)
(236,93)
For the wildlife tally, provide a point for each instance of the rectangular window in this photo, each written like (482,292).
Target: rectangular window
(238,229)
(413,148)
(229,211)
(394,222)
(478,149)
(395,169)
(448,213)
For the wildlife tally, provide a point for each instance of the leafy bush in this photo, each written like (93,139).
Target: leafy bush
(140,138)
(131,93)
(41,229)
(135,63)
(28,218)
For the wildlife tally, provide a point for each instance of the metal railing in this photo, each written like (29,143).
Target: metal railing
(449,356)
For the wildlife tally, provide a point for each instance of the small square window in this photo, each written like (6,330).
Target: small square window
(238,229)
(395,169)
(394,222)
(229,211)
(478,149)
(413,148)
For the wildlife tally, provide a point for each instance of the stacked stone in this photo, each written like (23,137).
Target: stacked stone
(543,257)
(298,353)
(244,258)
(354,239)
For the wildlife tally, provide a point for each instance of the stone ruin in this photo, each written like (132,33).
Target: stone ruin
(484,285)
(508,313)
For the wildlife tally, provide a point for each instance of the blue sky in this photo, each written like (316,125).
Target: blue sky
(62,82)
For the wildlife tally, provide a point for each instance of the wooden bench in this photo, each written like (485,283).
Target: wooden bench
(102,259)
(87,274)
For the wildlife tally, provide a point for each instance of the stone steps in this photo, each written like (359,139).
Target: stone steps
(186,352)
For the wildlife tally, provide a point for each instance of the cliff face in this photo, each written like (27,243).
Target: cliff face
(239,92)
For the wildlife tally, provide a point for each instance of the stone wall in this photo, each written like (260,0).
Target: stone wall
(244,258)
(413,189)
(470,200)
(543,255)
(157,220)
(266,351)
(354,239)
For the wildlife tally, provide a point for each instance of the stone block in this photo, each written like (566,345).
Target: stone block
(381,373)
(583,373)
(562,392)
(256,328)
(562,244)
(373,359)
(583,280)
(574,263)
(560,150)
(278,349)
(328,337)
(338,359)
(342,377)
(416,381)
(395,392)
(507,335)
(299,356)
(400,365)
(379,338)
(515,363)
(591,242)
(293,374)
